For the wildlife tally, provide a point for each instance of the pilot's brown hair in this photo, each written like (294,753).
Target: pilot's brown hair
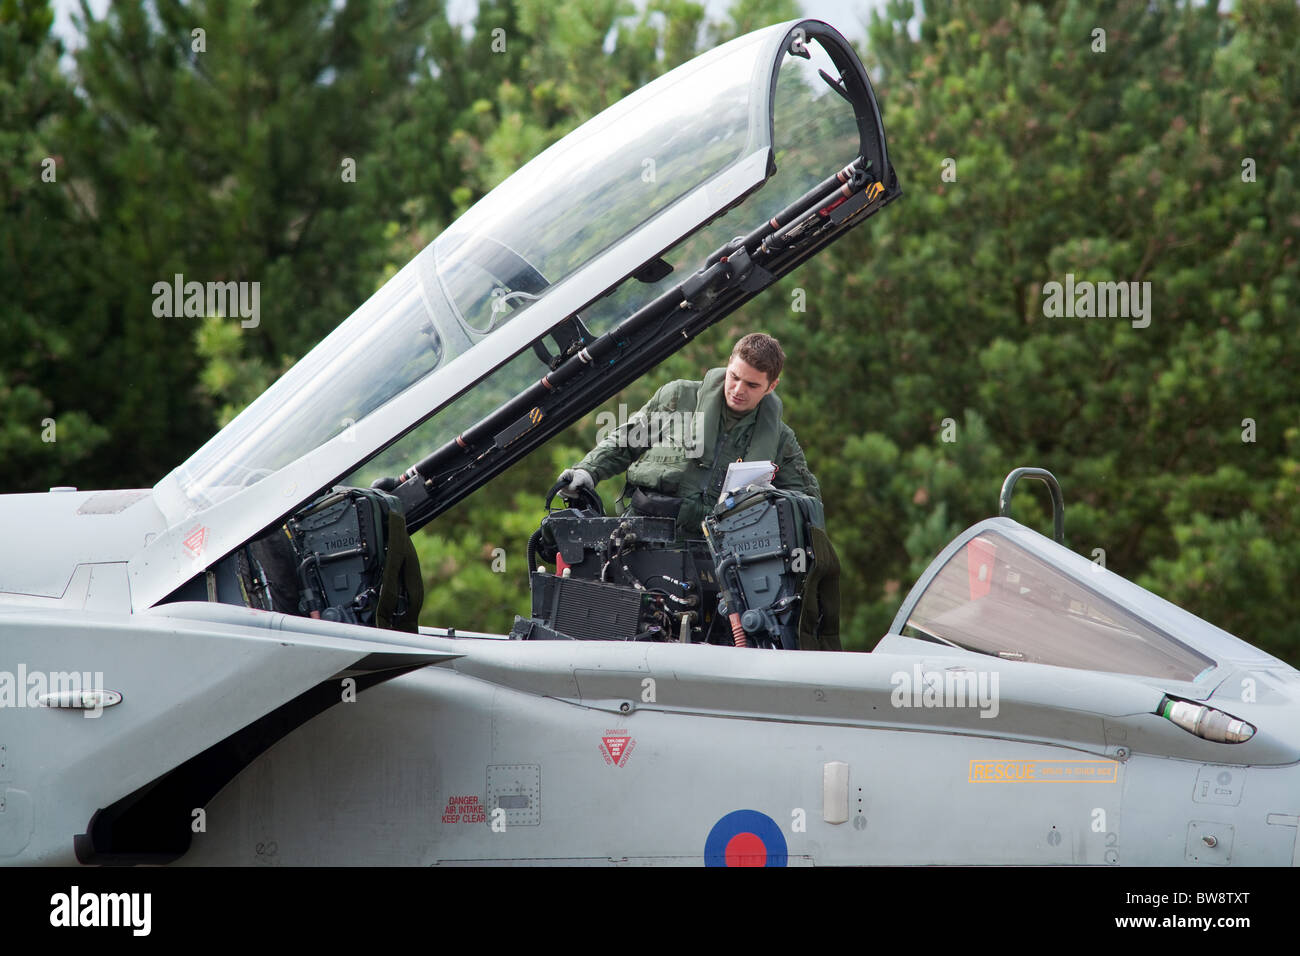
(763,352)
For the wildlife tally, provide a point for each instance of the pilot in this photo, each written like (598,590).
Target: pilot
(677,448)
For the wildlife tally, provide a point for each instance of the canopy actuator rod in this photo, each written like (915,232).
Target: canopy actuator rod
(846,182)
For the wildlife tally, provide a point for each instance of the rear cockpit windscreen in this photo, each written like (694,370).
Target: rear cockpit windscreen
(994,597)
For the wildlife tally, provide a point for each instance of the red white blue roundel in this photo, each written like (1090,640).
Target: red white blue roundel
(745,838)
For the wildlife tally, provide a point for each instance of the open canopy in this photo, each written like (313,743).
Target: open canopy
(619,215)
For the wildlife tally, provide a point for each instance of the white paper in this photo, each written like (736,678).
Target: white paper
(742,473)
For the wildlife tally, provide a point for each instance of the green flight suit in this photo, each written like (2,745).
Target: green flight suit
(690,462)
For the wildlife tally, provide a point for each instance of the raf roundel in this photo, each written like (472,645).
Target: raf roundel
(745,838)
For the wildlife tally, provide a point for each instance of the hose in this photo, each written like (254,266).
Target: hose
(738,632)
(533,541)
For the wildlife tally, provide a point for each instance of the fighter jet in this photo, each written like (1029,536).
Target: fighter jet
(226,668)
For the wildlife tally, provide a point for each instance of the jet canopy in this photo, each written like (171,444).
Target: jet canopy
(620,224)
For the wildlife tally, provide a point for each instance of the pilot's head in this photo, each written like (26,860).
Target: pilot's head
(753,371)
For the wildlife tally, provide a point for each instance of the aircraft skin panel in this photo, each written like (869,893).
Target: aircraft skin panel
(375,771)
(306,629)
(1030,700)
(418,771)
(184,685)
(92,527)
(1174,810)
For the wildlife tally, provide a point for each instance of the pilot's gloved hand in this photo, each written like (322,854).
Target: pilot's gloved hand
(578,478)
(754,486)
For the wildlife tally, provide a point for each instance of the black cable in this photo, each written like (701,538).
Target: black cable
(533,540)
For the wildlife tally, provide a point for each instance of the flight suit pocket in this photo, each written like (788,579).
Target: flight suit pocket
(661,469)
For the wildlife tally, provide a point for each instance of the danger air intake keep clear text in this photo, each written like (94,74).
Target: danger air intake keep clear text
(464,809)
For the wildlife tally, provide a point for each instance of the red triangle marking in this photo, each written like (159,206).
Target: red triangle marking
(614,746)
(194,541)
